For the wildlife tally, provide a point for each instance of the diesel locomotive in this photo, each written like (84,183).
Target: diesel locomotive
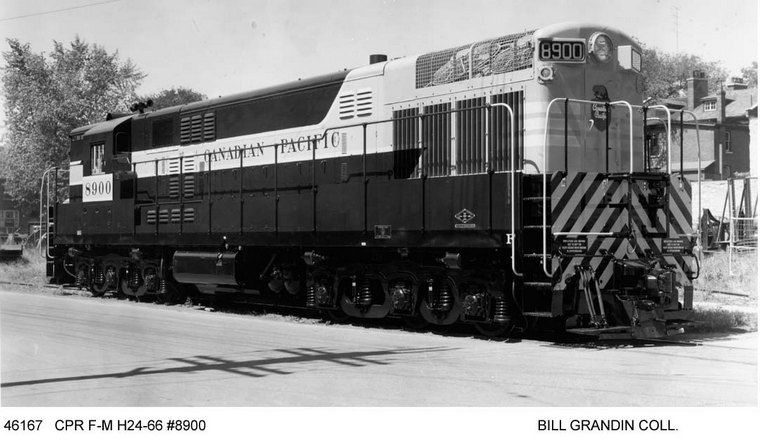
(503,183)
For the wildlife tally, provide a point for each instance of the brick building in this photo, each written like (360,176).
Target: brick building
(724,129)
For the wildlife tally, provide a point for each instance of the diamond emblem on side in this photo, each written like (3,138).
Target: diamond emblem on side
(465,216)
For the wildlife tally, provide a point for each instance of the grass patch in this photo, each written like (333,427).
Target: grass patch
(29,269)
(715,275)
(719,319)
(718,312)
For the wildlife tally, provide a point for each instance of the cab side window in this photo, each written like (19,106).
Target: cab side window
(97,158)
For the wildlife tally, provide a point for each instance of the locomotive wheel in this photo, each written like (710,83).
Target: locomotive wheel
(97,290)
(494,330)
(110,262)
(139,292)
(442,317)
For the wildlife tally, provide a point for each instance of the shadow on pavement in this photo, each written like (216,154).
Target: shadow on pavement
(255,368)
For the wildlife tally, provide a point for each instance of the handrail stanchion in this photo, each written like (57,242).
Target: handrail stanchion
(43,181)
(699,181)
(566,114)
(512,171)
(543,186)
(314,185)
(364,173)
(155,197)
(647,156)
(607,138)
(240,194)
(682,144)
(630,132)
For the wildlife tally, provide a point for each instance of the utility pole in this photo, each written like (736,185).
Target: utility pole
(675,13)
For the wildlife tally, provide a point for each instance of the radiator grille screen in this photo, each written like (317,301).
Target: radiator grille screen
(500,55)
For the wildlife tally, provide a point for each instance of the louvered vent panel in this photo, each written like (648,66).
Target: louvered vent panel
(176,215)
(436,140)
(173,166)
(405,137)
(185,128)
(471,141)
(189,188)
(163,217)
(364,102)
(151,217)
(501,136)
(189,215)
(347,105)
(188,165)
(209,125)
(173,186)
(197,130)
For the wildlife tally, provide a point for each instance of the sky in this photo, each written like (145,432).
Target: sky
(228,46)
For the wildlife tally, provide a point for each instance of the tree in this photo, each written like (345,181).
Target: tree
(173,97)
(665,74)
(749,74)
(46,96)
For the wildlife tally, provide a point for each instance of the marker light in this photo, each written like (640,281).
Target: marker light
(546,73)
(600,46)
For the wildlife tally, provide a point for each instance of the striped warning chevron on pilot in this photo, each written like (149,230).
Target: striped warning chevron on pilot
(623,217)
(593,207)
(582,203)
(679,193)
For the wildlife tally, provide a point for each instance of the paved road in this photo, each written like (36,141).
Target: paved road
(78,351)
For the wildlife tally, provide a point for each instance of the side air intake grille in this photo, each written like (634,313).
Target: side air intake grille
(346,105)
(351,104)
(364,102)
(197,128)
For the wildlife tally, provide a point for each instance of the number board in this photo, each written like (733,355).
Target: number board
(97,188)
(565,51)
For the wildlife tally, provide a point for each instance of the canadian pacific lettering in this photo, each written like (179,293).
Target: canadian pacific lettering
(284,147)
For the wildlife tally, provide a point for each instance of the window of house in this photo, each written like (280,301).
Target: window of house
(97,158)
(710,105)
(727,143)
(9,220)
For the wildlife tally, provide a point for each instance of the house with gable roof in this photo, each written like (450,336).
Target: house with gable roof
(724,130)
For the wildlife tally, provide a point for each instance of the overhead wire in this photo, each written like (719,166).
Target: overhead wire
(57,10)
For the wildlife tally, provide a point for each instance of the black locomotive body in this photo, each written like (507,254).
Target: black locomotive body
(449,187)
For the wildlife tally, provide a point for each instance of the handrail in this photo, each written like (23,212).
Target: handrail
(513,171)
(667,111)
(545,156)
(630,132)
(699,176)
(43,181)
(323,135)
(665,125)
(669,166)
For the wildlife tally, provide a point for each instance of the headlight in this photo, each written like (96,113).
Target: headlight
(600,46)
